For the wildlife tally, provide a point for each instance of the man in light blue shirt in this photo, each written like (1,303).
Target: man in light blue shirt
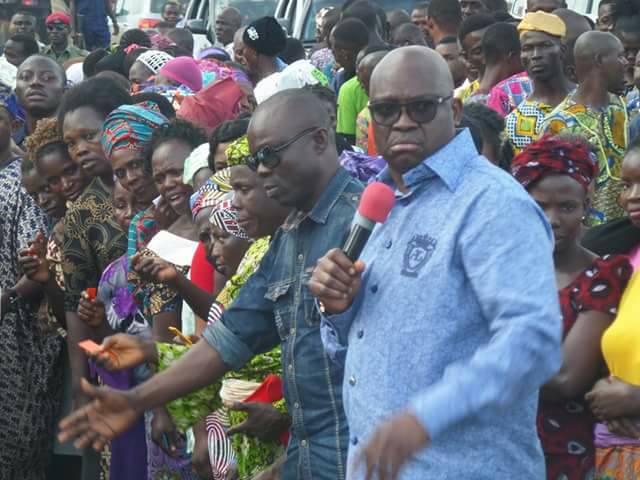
(454,324)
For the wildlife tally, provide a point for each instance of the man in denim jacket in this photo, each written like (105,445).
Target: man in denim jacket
(294,152)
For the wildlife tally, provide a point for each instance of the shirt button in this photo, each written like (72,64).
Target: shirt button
(300,257)
(290,367)
(303,443)
(296,405)
(354,440)
(360,333)
(292,332)
(352,380)
(388,244)
(374,289)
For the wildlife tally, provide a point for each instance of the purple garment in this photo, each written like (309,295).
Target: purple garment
(129,450)
(603,438)
(160,465)
(361,166)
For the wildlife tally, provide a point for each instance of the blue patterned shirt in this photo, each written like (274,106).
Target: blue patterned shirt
(457,321)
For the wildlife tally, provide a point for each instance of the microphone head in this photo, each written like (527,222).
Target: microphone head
(376,202)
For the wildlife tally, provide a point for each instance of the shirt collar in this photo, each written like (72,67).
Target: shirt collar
(448,163)
(320,212)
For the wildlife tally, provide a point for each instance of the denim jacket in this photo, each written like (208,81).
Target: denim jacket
(276,307)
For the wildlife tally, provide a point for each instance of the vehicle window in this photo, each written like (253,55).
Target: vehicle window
(156,5)
(309,31)
(251,9)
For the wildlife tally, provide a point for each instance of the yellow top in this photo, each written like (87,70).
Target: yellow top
(463,93)
(621,341)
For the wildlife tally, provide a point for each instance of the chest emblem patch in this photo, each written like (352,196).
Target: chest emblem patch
(418,252)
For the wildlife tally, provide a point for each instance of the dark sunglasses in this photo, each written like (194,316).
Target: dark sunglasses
(422,110)
(268,155)
(52,27)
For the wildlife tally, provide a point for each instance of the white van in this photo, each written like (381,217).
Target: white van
(299,16)
(142,14)
(200,16)
(585,7)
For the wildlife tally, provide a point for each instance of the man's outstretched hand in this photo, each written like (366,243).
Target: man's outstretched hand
(108,414)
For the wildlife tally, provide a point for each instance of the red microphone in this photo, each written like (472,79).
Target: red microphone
(375,204)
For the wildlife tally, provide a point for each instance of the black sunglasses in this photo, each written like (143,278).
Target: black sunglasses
(422,110)
(56,26)
(268,155)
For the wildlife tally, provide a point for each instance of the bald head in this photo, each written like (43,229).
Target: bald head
(412,113)
(599,58)
(296,123)
(592,46)
(287,112)
(426,65)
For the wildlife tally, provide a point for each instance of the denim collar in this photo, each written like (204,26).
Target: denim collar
(330,196)
(448,163)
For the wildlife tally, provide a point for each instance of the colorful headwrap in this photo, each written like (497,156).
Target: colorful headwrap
(130,127)
(238,151)
(196,161)
(212,192)
(543,22)
(9,101)
(225,217)
(552,155)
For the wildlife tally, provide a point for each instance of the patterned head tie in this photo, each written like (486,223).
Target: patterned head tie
(225,217)
(555,155)
(238,151)
(130,127)
(212,192)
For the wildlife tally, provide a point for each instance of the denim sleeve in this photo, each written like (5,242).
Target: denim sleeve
(247,328)
(507,257)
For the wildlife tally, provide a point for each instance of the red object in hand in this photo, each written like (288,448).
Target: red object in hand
(376,202)
(91,293)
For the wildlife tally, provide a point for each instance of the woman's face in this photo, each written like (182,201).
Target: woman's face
(82,131)
(564,202)
(61,174)
(128,168)
(204,231)
(167,164)
(49,201)
(226,251)
(220,157)
(125,206)
(630,196)
(258,215)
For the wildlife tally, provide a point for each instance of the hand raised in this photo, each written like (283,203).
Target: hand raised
(33,260)
(336,281)
(109,414)
(264,421)
(121,351)
(91,311)
(155,269)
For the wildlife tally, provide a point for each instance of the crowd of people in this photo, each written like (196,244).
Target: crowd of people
(171,229)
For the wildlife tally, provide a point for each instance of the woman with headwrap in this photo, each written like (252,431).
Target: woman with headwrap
(616,400)
(558,173)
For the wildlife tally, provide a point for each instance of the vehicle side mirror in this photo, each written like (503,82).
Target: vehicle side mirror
(197,26)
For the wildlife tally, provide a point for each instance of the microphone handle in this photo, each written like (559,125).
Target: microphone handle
(356,241)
